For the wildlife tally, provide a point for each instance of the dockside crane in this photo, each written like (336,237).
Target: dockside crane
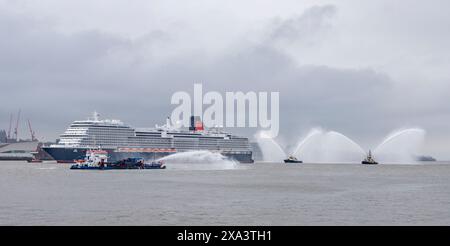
(16,130)
(10,127)
(33,134)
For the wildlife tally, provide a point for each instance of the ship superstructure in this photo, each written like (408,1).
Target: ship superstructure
(123,141)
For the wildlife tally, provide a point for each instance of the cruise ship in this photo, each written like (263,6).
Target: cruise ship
(122,141)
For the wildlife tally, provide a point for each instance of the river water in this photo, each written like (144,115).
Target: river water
(259,194)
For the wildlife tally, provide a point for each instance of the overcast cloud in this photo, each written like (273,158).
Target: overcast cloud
(363,69)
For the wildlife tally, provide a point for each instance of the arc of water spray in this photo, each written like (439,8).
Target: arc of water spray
(339,148)
(326,146)
(201,159)
(349,140)
(314,132)
(329,147)
(271,150)
(401,146)
(397,134)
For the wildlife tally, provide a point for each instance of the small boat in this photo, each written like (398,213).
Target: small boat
(88,167)
(369,160)
(97,160)
(94,160)
(137,163)
(34,161)
(292,159)
(155,165)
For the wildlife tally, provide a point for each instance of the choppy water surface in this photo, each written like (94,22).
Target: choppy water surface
(259,194)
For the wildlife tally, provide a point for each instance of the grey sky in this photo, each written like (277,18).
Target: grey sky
(363,69)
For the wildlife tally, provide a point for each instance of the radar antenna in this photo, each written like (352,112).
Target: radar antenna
(95,116)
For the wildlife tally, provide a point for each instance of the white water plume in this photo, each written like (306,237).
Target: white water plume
(402,146)
(338,148)
(320,146)
(305,142)
(271,150)
(205,160)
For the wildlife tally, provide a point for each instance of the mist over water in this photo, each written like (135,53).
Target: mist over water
(307,141)
(402,146)
(320,146)
(338,148)
(198,160)
(271,150)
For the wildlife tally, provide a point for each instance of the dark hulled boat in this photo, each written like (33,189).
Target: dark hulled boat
(292,159)
(97,160)
(369,160)
(153,165)
(137,163)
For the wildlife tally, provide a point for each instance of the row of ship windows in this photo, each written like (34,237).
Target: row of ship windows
(192,143)
(101,133)
(99,126)
(121,144)
(95,139)
(121,139)
(96,133)
(154,143)
(111,129)
(109,142)
(127,129)
(244,148)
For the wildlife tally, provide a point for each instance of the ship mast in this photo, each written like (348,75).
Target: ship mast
(95,116)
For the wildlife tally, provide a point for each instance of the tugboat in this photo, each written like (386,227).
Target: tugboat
(369,160)
(137,163)
(94,160)
(97,160)
(292,159)
(155,165)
